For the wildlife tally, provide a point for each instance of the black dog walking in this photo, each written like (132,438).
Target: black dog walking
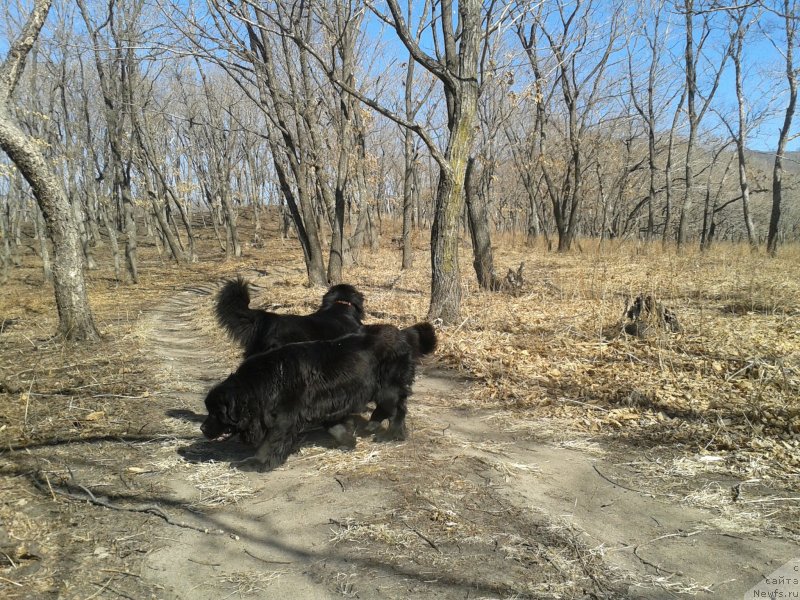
(257,330)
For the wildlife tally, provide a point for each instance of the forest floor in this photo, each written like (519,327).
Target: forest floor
(546,458)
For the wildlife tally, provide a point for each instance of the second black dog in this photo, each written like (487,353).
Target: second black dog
(258,330)
(273,397)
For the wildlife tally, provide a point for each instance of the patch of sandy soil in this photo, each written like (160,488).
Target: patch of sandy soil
(472,505)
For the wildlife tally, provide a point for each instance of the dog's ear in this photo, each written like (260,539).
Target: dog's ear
(358,302)
(222,402)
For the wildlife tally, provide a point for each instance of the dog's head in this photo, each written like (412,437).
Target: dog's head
(225,417)
(345,294)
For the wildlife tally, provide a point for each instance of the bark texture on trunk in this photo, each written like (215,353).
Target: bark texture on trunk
(75,317)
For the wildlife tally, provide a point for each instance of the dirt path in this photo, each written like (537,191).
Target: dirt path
(468,507)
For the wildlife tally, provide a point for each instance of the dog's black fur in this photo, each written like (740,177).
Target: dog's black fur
(273,396)
(257,330)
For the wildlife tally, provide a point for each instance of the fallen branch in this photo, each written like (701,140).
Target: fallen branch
(658,569)
(152,509)
(620,485)
(102,588)
(430,543)
(269,562)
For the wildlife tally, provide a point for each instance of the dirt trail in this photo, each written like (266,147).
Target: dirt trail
(466,508)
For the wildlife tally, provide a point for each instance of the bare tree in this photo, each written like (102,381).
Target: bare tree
(693,50)
(580,66)
(115,82)
(742,23)
(647,109)
(75,316)
(788,12)
(410,151)
(457,70)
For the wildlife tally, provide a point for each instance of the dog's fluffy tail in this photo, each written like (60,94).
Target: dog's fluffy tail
(422,338)
(234,313)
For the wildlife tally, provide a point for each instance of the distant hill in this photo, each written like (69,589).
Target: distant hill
(765,160)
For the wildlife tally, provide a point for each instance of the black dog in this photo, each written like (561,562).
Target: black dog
(274,396)
(259,331)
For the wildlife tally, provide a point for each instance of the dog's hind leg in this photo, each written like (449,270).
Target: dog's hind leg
(397,420)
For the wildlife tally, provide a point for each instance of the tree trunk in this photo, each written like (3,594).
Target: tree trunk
(462,103)
(741,137)
(777,169)
(483,260)
(233,247)
(75,317)
(408,200)
(408,171)
(691,82)
(44,251)
(123,185)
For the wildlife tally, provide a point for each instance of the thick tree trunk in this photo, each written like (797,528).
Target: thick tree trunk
(445,271)
(75,317)
(461,94)
(445,285)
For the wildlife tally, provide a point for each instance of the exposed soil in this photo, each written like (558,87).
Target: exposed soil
(476,504)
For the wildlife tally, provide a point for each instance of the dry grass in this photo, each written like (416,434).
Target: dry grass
(719,400)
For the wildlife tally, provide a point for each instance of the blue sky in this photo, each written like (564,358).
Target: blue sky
(764,80)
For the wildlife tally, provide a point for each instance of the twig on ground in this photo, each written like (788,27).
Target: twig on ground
(658,569)
(427,539)
(620,485)
(120,572)
(269,562)
(205,564)
(102,588)
(50,487)
(11,582)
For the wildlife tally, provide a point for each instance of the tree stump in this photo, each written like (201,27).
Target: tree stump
(645,317)
(513,281)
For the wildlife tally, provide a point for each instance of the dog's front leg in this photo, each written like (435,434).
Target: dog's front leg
(376,419)
(272,452)
(340,432)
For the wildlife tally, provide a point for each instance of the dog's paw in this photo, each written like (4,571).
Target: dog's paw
(372,426)
(391,435)
(252,465)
